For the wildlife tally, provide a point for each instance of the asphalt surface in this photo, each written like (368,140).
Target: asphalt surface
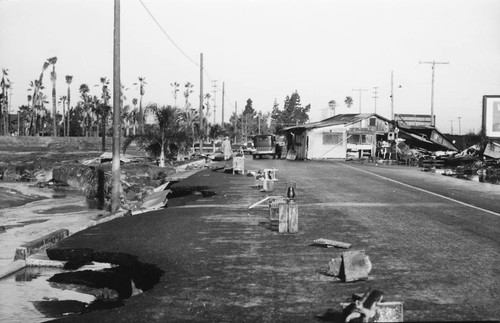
(434,243)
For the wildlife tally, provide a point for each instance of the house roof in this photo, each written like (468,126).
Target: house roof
(339,119)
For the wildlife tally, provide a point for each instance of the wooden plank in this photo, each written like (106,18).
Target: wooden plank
(259,202)
(332,243)
(293,217)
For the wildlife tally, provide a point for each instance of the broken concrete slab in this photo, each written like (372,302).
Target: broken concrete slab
(356,266)
(155,200)
(350,266)
(331,243)
(334,267)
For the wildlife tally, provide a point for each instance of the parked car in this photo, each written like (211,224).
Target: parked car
(264,145)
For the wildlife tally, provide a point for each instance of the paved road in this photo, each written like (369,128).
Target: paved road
(434,243)
(434,240)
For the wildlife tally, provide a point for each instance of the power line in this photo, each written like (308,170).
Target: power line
(177,46)
(165,33)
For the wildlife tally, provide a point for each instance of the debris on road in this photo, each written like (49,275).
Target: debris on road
(259,202)
(350,266)
(363,308)
(331,243)
(370,308)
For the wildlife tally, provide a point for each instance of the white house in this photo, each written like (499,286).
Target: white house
(339,137)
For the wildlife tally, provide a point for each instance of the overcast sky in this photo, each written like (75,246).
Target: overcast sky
(267,49)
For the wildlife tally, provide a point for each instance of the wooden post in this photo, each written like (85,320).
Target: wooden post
(288,214)
(283,217)
(293,217)
(268,185)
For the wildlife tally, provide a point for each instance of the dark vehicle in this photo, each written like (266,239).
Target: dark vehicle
(264,145)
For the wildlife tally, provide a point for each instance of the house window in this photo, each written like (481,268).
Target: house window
(353,139)
(360,139)
(332,138)
(373,122)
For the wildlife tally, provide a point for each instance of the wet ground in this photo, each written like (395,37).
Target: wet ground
(30,294)
(28,213)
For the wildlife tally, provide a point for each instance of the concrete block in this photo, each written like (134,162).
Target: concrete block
(334,267)
(44,242)
(356,265)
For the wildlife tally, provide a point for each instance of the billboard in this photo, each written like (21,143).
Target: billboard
(491,116)
(414,119)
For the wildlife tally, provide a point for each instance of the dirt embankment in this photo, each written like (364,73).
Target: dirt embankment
(62,161)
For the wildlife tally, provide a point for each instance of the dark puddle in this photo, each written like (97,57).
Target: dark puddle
(176,192)
(109,286)
(3,228)
(64,209)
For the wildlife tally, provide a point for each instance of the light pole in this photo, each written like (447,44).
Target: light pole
(459,126)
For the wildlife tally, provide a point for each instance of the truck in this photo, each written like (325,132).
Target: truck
(264,145)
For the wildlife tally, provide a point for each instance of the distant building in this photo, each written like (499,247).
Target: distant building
(413,119)
(339,136)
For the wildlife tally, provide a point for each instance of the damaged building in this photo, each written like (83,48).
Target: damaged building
(366,135)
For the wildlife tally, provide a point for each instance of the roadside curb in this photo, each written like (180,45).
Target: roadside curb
(29,248)
(28,254)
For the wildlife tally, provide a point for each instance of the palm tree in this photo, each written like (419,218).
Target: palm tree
(104,109)
(187,92)
(53,78)
(69,78)
(164,133)
(175,85)
(4,84)
(142,83)
(348,101)
(134,102)
(62,100)
(42,112)
(86,106)
(37,86)
(188,119)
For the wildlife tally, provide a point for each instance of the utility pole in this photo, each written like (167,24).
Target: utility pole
(375,97)
(200,112)
(235,121)
(258,118)
(214,91)
(115,169)
(223,93)
(451,128)
(359,90)
(433,121)
(459,126)
(392,95)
